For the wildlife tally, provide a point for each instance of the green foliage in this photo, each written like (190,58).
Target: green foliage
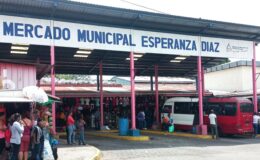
(70,77)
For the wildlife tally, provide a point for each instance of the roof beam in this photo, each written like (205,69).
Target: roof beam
(45,70)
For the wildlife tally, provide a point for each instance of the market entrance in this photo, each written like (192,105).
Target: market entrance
(132,44)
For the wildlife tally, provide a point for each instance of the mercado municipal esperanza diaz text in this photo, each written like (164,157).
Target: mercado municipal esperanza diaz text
(101,37)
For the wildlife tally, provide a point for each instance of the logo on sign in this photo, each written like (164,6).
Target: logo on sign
(236,49)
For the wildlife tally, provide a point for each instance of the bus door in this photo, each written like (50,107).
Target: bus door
(246,117)
(183,116)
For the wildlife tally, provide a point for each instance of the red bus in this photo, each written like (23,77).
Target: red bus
(234,115)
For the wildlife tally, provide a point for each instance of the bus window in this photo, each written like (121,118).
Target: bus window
(182,107)
(224,109)
(194,108)
(214,106)
(229,109)
(246,108)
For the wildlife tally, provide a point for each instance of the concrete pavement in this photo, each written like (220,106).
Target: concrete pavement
(161,145)
(78,152)
(169,147)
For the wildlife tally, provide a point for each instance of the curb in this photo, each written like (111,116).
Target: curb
(97,156)
(187,135)
(115,136)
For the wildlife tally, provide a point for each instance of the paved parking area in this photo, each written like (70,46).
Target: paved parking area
(171,148)
(77,152)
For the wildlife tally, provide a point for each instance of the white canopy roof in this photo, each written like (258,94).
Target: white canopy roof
(13,96)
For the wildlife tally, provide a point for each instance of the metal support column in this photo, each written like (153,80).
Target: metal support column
(202,129)
(52,52)
(98,83)
(156,94)
(151,82)
(132,79)
(254,79)
(203,82)
(101,94)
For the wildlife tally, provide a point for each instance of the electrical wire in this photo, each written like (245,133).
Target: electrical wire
(144,7)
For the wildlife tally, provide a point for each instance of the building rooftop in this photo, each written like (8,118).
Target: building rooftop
(231,65)
(143,79)
(114,62)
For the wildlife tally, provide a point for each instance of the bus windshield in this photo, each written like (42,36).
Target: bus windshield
(246,108)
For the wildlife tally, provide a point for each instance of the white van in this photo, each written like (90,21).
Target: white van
(182,110)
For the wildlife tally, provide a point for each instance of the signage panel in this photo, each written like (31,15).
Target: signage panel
(49,32)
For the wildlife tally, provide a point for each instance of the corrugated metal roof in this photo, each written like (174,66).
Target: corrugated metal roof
(138,87)
(114,62)
(160,79)
(90,13)
(232,65)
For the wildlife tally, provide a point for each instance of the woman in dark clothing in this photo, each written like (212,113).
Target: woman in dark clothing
(2,132)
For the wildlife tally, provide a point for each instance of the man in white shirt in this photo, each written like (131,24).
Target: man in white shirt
(17,129)
(256,120)
(213,124)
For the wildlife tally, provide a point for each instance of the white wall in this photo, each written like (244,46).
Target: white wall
(232,79)
(247,78)
(18,75)
(224,80)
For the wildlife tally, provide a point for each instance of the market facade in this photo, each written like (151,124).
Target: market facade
(75,38)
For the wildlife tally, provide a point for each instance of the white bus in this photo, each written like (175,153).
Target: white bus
(183,111)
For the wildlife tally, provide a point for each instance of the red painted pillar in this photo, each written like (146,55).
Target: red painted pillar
(132,79)
(101,94)
(156,94)
(200,92)
(203,82)
(52,50)
(202,128)
(254,79)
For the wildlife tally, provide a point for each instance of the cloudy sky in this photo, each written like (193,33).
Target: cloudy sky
(236,11)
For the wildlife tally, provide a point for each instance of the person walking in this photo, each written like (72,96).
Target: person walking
(81,129)
(70,128)
(141,120)
(97,120)
(213,124)
(256,121)
(25,141)
(17,132)
(37,140)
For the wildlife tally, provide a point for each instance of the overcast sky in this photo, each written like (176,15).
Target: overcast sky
(236,11)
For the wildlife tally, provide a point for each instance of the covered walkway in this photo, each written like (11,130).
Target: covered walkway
(23,29)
